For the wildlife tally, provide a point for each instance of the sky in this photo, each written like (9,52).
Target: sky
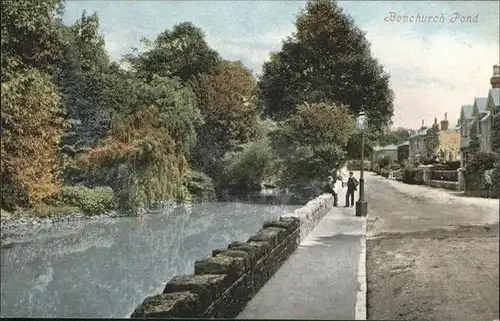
(435,66)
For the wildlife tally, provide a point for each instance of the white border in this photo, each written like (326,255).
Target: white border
(360,313)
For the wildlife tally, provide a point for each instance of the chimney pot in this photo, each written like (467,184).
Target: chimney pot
(495,79)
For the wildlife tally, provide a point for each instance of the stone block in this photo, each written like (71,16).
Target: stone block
(288,223)
(255,250)
(208,287)
(233,267)
(240,254)
(269,235)
(177,305)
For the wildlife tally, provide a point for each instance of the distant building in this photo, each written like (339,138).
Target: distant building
(449,142)
(480,115)
(466,121)
(380,152)
(403,151)
(416,142)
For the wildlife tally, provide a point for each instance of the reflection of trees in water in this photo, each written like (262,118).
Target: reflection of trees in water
(140,258)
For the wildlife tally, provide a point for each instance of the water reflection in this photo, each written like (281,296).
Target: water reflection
(105,268)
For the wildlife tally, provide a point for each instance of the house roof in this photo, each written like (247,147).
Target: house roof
(467,111)
(486,116)
(480,103)
(404,143)
(382,148)
(494,93)
(390,147)
(421,132)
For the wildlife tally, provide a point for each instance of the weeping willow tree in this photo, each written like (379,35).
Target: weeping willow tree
(140,161)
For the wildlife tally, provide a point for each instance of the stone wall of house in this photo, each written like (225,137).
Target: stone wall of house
(449,143)
(224,283)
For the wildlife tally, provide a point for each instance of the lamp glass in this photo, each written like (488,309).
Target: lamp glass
(361,121)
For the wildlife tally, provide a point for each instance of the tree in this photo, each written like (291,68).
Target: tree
(394,137)
(31,130)
(312,142)
(432,141)
(495,133)
(182,52)
(29,35)
(474,143)
(328,59)
(227,100)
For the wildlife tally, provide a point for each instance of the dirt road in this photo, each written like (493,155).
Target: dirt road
(431,255)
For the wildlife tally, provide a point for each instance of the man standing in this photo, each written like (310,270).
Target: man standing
(352,185)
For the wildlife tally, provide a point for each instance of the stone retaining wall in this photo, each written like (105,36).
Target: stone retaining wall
(223,284)
(454,186)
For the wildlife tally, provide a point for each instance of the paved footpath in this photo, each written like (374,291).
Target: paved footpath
(325,277)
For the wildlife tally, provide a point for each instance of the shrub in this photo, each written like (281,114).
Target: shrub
(476,166)
(245,170)
(45,210)
(384,162)
(30,133)
(409,175)
(91,201)
(495,180)
(199,185)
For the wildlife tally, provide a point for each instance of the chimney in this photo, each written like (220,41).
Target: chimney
(495,79)
(444,123)
(423,125)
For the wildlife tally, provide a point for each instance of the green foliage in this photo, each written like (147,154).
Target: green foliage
(394,137)
(474,143)
(384,162)
(328,59)
(46,210)
(231,117)
(311,143)
(199,185)
(432,141)
(245,170)
(91,201)
(29,34)
(31,130)
(475,168)
(495,179)
(181,52)
(495,133)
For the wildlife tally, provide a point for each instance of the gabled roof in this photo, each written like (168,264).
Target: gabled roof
(382,148)
(404,143)
(467,111)
(479,105)
(390,147)
(421,132)
(493,97)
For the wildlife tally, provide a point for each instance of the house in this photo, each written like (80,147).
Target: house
(480,115)
(465,122)
(403,151)
(417,143)
(380,152)
(490,109)
(449,141)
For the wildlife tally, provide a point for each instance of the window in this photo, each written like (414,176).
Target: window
(418,147)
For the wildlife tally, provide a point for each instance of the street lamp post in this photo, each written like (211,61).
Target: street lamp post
(361,205)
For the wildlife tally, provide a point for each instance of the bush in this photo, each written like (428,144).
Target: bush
(477,165)
(495,180)
(384,162)
(91,201)
(246,170)
(45,210)
(199,185)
